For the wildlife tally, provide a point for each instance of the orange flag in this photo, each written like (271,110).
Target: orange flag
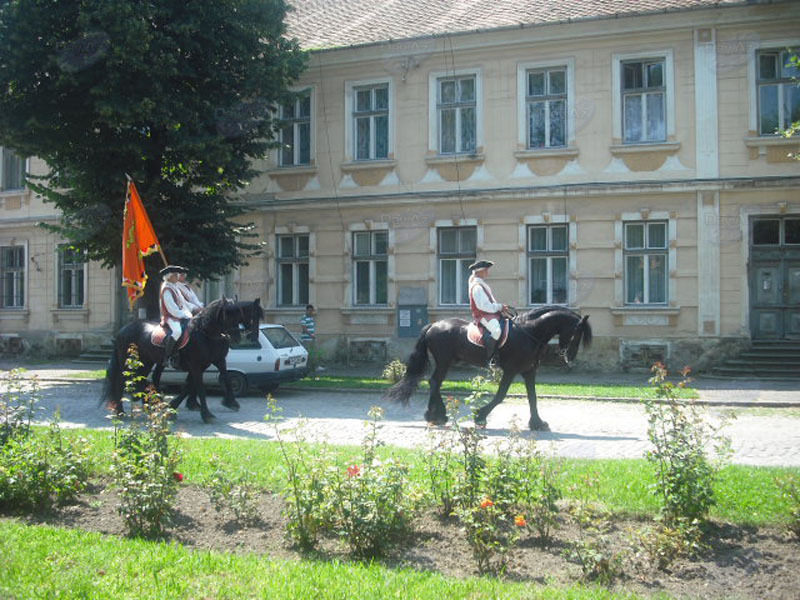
(138,240)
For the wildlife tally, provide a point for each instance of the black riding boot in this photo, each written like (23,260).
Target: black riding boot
(491,347)
(169,348)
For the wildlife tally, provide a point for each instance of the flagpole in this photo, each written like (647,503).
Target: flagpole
(160,250)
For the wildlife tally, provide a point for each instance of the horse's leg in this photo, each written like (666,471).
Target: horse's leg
(482,413)
(186,391)
(197,383)
(191,395)
(230,400)
(437,413)
(535,423)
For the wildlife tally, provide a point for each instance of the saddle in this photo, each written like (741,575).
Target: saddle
(475,333)
(160,333)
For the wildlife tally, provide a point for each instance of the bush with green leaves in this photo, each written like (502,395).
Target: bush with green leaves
(233,491)
(370,505)
(144,465)
(38,468)
(790,489)
(394,371)
(681,439)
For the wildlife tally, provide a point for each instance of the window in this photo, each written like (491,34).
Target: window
(12,171)
(778,94)
(370,266)
(295,136)
(548,254)
(12,273)
(644,100)
(456,251)
(646,269)
(456,106)
(371,122)
(293,270)
(546,98)
(71,277)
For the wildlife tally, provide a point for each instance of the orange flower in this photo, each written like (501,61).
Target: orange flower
(353,471)
(486,503)
(520,521)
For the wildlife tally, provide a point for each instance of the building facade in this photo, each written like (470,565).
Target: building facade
(624,165)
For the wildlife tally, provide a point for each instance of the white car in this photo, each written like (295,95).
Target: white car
(277,357)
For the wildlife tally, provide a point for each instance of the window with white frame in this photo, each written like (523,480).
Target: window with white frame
(371,122)
(548,260)
(293,270)
(644,100)
(370,267)
(295,134)
(456,251)
(71,277)
(646,262)
(12,171)
(12,276)
(546,99)
(778,92)
(456,107)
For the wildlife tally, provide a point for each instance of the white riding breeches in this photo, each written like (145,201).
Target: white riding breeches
(493,326)
(174,328)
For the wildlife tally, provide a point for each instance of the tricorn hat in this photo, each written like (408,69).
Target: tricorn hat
(481,264)
(172,269)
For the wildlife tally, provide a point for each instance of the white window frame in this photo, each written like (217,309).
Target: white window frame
(669,93)
(433,109)
(351,137)
(646,251)
(350,292)
(754,48)
(524,256)
(458,257)
(75,269)
(548,255)
(4,175)
(782,83)
(23,284)
(295,261)
(522,101)
(295,124)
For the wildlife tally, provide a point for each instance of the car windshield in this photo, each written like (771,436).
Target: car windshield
(280,338)
(245,342)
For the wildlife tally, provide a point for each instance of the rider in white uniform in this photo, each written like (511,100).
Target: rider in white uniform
(485,309)
(189,297)
(173,308)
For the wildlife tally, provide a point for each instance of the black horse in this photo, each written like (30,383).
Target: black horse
(208,331)
(527,341)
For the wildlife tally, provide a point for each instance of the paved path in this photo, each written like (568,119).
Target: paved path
(581,429)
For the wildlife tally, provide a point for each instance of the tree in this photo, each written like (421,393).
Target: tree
(180,94)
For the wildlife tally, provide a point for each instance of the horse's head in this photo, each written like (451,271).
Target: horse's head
(570,337)
(243,315)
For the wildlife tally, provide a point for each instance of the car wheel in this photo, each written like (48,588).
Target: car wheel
(269,388)
(238,383)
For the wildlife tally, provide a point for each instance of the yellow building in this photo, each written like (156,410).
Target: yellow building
(618,158)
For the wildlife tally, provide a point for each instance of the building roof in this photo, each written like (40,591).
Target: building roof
(335,23)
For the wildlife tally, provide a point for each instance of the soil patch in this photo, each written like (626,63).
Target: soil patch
(741,562)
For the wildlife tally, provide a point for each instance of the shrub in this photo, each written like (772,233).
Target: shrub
(491,534)
(145,464)
(790,489)
(38,468)
(394,371)
(234,492)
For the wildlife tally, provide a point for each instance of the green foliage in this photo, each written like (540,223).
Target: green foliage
(592,550)
(394,371)
(145,463)
(38,468)
(370,505)
(305,478)
(660,544)
(790,490)
(680,437)
(233,491)
(180,96)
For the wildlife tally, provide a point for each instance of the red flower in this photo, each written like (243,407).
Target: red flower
(353,471)
(520,521)
(486,503)
(177,476)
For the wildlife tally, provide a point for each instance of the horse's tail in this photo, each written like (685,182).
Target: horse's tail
(587,332)
(415,368)
(113,385)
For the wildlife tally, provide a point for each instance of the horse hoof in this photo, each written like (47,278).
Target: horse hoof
(232,405)
(480,424)
(193,407)
(539,426)
(208,419)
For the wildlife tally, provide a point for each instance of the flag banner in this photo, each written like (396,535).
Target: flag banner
(138,240)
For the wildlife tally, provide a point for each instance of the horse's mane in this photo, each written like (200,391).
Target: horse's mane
(536,313)
(208,314)
(249,305)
